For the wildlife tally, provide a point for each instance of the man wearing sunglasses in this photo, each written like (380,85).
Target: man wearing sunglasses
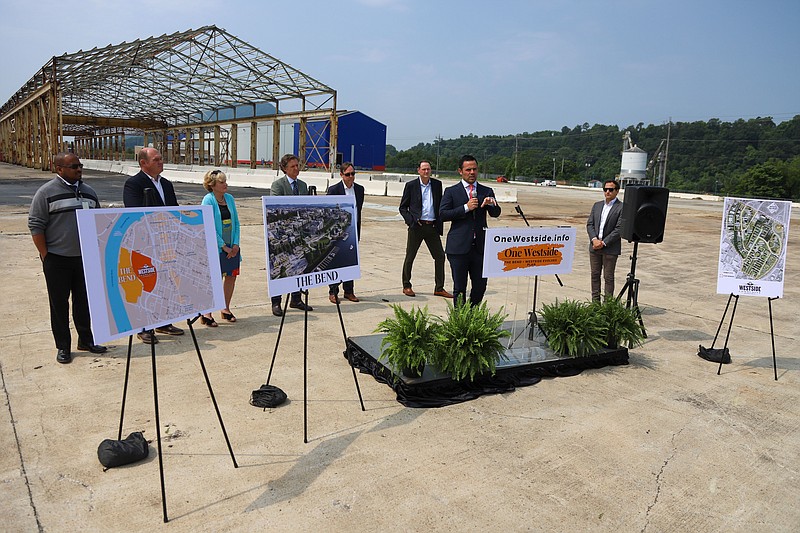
(54,227)
(347,187)
(605,244)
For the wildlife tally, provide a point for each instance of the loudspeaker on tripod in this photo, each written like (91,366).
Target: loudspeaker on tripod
(644,213)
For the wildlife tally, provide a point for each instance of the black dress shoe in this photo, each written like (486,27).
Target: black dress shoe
(301,306)
(93,348)
(169,330)
(64,356)
(147,337)
(277,311)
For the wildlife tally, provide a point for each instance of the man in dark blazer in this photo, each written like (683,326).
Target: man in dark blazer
(419,208)
(289,185)
(465,205)
(347,187)
(147,189)
(149,177)
(603,227)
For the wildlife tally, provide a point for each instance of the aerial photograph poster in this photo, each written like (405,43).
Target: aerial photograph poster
(310,241)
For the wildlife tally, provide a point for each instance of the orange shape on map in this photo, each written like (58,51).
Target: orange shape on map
(536,255)
(127,279)
(144,270)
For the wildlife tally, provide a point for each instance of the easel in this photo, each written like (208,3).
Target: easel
(632,286)
(730,325)
(305,358)
(533,321)
(155,401)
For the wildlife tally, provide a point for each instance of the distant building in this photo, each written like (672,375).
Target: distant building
(362,141)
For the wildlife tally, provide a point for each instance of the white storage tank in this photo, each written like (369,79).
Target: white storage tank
(634,165)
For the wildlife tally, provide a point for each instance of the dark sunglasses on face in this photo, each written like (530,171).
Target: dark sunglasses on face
(349,174)
(609,189)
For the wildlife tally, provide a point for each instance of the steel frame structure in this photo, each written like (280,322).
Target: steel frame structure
(183,91)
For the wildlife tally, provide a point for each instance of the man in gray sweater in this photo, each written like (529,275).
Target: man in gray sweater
(54,228)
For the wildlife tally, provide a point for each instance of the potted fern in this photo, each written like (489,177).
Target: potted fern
(468,341)
(410,340)
(622,323)
(573,328)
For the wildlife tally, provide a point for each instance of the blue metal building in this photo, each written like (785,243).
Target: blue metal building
(362,140)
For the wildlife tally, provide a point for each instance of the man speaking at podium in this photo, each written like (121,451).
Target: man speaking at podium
(465,205)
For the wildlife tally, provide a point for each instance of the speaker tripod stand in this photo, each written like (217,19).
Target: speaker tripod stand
(632,288)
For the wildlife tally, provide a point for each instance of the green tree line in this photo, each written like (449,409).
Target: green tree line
(751,158)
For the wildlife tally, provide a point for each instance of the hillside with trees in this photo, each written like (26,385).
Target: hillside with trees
(751,158)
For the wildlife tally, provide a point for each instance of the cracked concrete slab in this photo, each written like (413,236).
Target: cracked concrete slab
(662,444)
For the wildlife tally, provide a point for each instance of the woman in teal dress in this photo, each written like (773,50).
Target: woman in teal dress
(226,221)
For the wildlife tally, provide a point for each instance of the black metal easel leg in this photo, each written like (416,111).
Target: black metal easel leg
(125,387)
(278,340)
(305,371)
(772,337)
(210,390)
(348,352)
(721,321)
(730,325)
(158,434)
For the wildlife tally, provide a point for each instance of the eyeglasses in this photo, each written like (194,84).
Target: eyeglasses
(609,189)
(74,166)
(349,174)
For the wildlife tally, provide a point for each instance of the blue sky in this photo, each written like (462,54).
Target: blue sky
(427,68)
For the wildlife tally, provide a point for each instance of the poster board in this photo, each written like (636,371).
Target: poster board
(149,266)
(528,251)
(310,241)
(752,250)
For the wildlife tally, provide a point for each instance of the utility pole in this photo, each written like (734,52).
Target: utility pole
(516,147)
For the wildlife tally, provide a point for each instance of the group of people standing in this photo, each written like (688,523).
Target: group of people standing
(424,206)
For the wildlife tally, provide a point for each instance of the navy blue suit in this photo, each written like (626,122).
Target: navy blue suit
(339,190)
(466,238)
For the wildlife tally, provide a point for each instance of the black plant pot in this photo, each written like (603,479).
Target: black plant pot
(413,372)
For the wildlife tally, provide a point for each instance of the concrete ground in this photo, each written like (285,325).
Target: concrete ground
(662,444)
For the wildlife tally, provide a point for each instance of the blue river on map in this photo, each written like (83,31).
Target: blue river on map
(118,232)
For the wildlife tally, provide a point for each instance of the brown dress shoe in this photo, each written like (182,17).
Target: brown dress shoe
(408,292)
(443,293)
(169,329)
(333,298)
(350,296)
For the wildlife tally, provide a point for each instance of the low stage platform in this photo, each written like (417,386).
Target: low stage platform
(526,363)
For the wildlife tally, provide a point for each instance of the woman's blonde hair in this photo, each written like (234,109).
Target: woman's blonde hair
(212,177)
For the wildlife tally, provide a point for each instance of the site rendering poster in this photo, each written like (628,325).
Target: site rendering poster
(150,266)
(310,241)
(752,250)
(528,251)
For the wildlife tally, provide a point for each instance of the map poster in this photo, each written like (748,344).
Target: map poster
(310,241)
(528,251)
(146,267)
(752,250)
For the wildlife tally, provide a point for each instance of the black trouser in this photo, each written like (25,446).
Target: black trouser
(348,287)
(416,235)
(276,300)
(64,275)
(470,263)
